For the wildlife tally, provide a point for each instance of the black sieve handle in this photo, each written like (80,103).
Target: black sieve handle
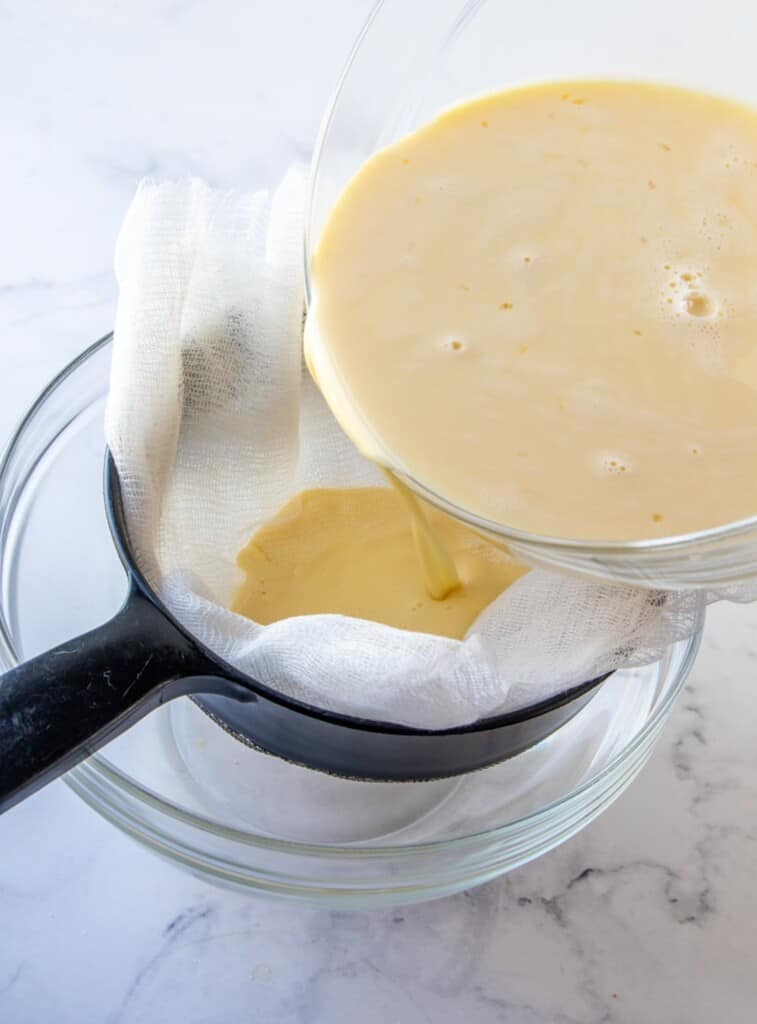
(60,707)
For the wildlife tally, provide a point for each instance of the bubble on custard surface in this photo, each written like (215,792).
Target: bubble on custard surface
(681,276)
(454,344)
(612,463)
(699,304)
(522,256)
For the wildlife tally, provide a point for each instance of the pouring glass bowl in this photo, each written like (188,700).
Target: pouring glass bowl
(413,61)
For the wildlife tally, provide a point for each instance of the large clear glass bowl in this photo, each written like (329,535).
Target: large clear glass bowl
(412,60)
(196,796)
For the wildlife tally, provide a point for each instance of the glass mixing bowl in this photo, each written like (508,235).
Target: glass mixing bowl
(414,60)
(229,814)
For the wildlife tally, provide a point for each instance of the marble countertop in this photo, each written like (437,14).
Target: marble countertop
(646,916)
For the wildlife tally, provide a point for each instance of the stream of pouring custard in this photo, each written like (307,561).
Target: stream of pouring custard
(433,556)
(351,551)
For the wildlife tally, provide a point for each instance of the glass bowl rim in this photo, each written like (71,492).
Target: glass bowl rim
(122,783)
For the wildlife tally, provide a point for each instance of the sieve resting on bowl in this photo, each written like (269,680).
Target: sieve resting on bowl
(60,707)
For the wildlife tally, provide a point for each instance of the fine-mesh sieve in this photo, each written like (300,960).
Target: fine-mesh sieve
(61,706)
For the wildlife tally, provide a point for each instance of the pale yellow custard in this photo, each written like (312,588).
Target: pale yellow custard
(351,552)
(543,306)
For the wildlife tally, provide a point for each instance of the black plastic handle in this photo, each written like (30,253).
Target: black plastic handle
(60,707)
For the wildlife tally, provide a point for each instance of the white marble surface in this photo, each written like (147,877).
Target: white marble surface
(647,916)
